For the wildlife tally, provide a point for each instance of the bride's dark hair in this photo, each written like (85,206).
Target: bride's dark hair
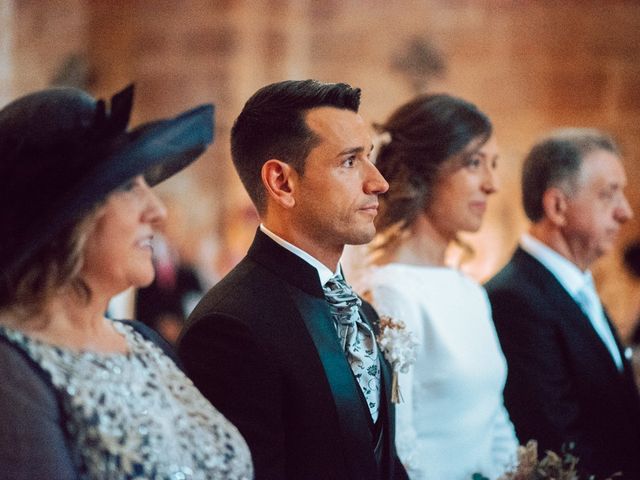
(424,134)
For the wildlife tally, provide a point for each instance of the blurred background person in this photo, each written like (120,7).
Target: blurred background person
(569,380)
(83,396)
(440,158)
(631,262)
(165,304)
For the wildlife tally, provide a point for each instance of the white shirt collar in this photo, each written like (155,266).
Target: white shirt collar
(323,272)
(565,271)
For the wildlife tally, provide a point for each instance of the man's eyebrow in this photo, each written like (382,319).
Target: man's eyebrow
(350,150)
(485,154)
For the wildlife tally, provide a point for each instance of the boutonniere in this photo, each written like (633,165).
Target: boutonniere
(399,348)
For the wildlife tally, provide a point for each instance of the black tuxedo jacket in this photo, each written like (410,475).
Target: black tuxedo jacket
(262,347)
(563,385)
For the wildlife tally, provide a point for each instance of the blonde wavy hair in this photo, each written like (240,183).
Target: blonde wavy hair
(54,268)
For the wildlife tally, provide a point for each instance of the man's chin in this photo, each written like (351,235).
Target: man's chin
(362,238)
(602,249)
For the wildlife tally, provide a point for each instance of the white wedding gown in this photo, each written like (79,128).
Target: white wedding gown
(452,422)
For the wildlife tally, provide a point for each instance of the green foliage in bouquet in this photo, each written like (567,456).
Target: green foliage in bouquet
(551,467)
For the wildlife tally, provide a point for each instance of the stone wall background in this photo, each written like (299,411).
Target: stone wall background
(532,66)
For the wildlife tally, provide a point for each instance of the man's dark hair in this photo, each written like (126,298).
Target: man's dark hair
(272,125)
(555,162)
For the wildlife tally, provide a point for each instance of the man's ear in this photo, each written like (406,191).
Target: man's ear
(279,179)
(554,202)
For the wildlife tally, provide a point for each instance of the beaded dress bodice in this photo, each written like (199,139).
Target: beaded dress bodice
(136,415)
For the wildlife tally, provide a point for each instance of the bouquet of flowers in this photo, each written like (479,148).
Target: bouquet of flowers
(551,467)
(399,348)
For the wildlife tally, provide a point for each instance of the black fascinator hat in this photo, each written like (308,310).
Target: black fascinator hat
(62,152)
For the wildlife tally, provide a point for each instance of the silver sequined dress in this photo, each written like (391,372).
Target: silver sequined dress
(136,415)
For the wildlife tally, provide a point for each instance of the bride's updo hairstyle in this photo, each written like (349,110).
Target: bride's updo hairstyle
(421,136)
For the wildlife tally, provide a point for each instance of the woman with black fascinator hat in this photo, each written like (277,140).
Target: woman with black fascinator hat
(83,396)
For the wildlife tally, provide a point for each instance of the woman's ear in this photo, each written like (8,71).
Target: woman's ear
(279,179)
(554,202)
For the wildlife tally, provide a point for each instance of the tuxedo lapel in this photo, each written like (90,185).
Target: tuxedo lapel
(385,383)
(286,265)
(627,371)
(353,416)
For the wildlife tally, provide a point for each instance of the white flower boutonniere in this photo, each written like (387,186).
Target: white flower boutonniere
(399,348)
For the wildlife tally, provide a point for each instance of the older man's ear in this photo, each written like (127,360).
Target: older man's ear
(554,202)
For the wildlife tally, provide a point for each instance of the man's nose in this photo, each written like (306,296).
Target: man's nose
(624,212)
(375,182)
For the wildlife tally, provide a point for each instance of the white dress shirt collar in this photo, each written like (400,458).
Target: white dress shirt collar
(565,271)
(324,272)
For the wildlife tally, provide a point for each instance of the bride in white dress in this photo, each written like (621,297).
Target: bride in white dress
(440,163)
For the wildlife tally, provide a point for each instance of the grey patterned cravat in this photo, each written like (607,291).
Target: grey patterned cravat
(356,338)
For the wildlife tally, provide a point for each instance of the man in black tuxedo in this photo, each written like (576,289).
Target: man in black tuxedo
(264,344)
(569,380)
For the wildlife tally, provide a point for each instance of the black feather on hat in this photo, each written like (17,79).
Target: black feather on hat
(62,152)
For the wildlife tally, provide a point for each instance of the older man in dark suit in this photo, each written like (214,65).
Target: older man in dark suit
(569,380)
(282,346)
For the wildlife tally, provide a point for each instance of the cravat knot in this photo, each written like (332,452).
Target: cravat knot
(343,301)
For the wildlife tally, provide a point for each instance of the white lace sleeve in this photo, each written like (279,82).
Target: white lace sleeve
(390,301)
